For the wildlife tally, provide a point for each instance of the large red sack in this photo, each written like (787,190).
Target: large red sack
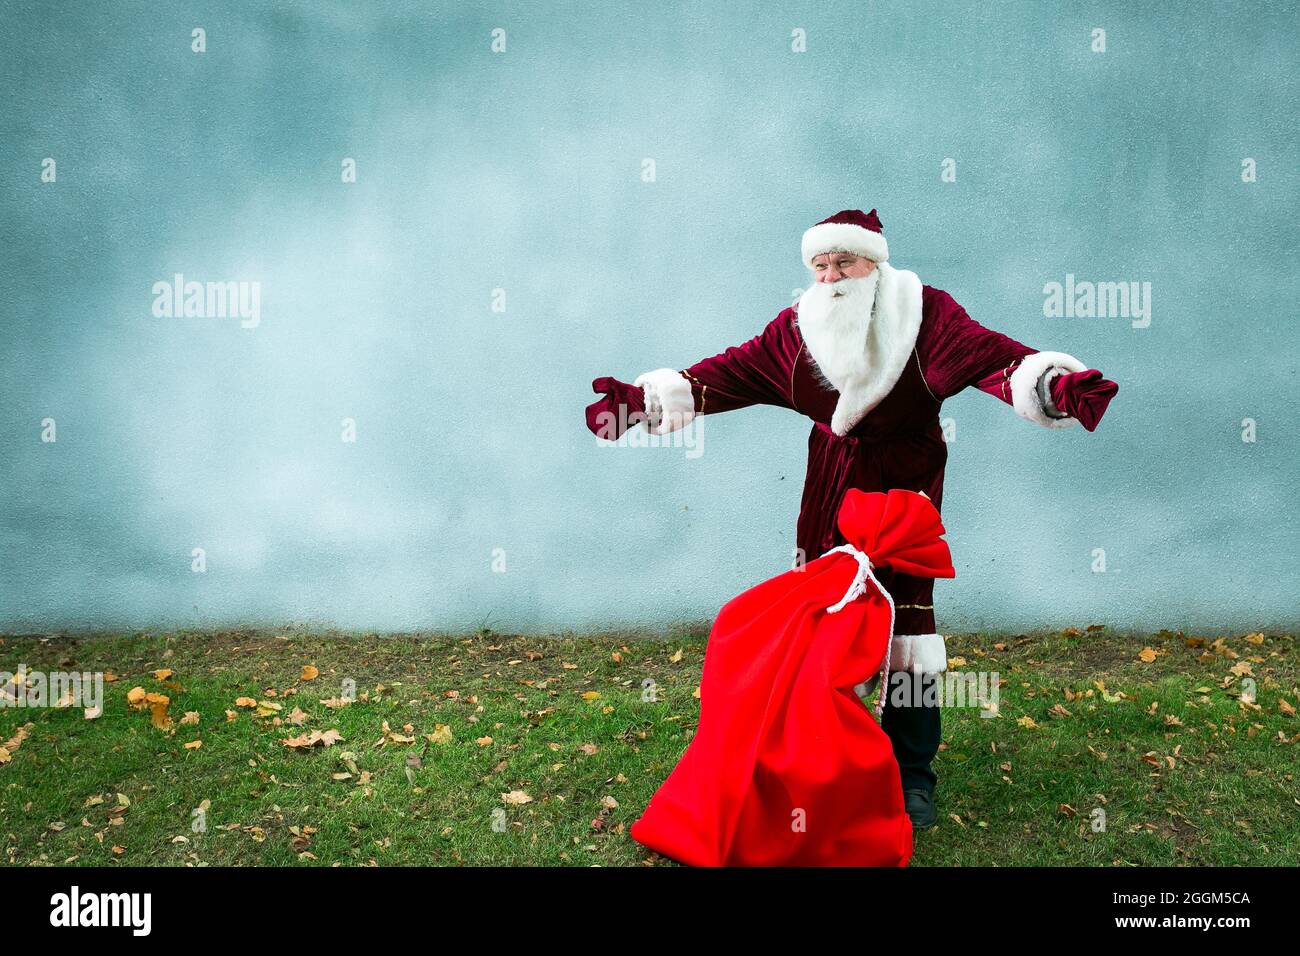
(788,766)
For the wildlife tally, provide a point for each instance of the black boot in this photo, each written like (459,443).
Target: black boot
(913,729)
(920,808)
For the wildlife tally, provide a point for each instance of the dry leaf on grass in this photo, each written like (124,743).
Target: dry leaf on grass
(326,738)
(14,742)
(441,734)
(1106,695)
(158,704)
(392,736)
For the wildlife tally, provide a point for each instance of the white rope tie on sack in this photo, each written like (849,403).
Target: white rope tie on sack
(856,590)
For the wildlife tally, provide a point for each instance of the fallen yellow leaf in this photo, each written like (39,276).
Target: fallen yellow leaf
(327,738)
(158,704)
(441,734)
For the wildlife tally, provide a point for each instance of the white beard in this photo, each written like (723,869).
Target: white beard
(861,340)
(834,319)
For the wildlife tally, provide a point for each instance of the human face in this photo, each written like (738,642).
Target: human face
(834,266)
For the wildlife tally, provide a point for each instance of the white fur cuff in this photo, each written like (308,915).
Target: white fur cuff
(1025,396)
(918,654)
(668,401)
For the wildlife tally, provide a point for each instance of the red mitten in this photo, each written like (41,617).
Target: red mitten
(605,417)
(1083,395)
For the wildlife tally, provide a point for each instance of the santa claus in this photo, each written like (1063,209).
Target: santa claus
(869,353)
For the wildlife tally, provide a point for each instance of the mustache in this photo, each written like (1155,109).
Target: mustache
(842,287)
(844,300)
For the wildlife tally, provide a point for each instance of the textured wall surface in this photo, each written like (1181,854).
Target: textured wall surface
(1168,158)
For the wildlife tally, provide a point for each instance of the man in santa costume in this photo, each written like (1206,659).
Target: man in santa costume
(869,354)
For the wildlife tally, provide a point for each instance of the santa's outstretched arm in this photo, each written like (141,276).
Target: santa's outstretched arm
(665,399)
(1052,389)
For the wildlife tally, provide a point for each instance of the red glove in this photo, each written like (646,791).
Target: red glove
(1083,395)
(605,418)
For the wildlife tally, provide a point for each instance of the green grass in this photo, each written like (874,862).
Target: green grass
(1215,787)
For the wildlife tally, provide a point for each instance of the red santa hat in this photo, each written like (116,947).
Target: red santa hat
(850,230)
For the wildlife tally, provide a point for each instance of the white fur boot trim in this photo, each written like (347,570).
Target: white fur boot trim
(918,654)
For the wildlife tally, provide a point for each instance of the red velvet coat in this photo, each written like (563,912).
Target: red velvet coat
(898,444)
